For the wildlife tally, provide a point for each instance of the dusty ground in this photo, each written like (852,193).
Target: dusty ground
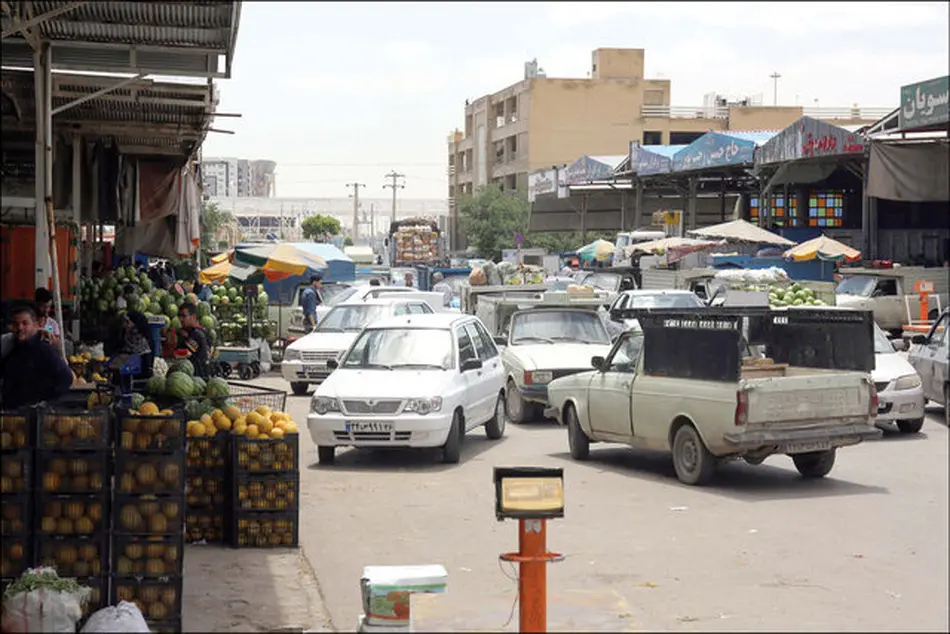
(864,549)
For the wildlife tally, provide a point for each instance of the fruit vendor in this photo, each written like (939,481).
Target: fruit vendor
(310,298)
(33,371)
(194,345)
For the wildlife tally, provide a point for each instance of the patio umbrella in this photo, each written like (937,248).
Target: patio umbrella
(222,257)
(278,261)
(215,273)
(741,231)
(599,250)
(675,247)
(823,248)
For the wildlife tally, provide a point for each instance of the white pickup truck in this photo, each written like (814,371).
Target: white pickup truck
(690,382)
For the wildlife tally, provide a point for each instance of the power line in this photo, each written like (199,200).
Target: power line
(394,176)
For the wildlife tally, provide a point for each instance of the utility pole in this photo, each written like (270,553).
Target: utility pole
(394,176)
(356,209)
(775,77)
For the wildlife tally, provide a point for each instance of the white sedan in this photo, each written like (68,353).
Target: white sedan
(900,395)
(305,360)
(411,381)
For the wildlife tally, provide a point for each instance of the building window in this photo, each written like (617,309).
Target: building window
(684,138)
(652,138)
(826,209)
(784,210)
(653,98)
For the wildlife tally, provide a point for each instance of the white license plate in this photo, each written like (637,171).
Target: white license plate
(313,368)
(379,427)
(807,447)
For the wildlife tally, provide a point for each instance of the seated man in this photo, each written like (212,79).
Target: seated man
(33,371)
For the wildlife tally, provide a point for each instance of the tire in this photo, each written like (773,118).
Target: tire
(299,388)
(692,461)
(518,410)
(452,449)
(224,369)
(910,426)
(495,428)
(577,440)
(813,465)
(326,455)
(244,371)
(256,368)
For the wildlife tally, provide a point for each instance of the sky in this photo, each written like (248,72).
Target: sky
(346,92)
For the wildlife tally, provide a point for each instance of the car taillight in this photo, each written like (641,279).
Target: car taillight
(742,408)
(873,411)
(528,378)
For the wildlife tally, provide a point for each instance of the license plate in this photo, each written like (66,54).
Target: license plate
(379,427)
(807,447)
(312,368)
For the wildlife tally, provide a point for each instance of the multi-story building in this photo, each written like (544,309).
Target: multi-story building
(238,177)
(542,121)
(219,176)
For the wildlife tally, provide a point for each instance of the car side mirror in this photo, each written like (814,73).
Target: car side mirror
(615,315)
(918,339)
(332,364)
(500,341)
(471,364)
(899,345)
(598,363)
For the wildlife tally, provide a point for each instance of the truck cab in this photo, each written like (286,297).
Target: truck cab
(889,293)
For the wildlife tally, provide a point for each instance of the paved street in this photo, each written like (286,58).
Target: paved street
(865,549)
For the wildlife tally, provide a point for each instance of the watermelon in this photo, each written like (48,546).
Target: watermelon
(204,309)
(200,386)
(182,365)
(171,310)
(217,388)
(215,300)
(194,409)
(207,322)
(207,406)
(155,385)
(137,400)
(179,385)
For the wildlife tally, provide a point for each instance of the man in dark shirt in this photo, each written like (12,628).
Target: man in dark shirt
(195,346)
(33,371)
(310,298)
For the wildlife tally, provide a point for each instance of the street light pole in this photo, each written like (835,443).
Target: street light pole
(775,77)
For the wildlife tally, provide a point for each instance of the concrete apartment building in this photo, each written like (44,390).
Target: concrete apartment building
(543,121)
(238,177)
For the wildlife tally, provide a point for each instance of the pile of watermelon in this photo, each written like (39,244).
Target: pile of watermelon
(181,384)
(229,306)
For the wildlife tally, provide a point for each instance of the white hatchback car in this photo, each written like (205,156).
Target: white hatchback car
(900,395)
(305,360)
(411,381)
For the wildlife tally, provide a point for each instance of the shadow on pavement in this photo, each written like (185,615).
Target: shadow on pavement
(405,459)
(893,434)
(734,479)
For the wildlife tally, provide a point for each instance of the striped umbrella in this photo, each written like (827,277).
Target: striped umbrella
(599,250)
(276,261)
(823,248)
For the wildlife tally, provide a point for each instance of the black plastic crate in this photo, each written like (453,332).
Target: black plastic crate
(154,515)
(271,455)
(207,489)
(17,429)
(171,626)
(72,472)
(16,515)
(209,453)
(71,515)
(15,555)
(272,492)
(265,530)
(148,555)
(160,432)
(71,428)
(158,599)
(98,595)
(207,525)
(145,473)
(16,472)
(73,556)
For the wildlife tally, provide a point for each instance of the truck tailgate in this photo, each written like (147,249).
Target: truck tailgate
(808,399)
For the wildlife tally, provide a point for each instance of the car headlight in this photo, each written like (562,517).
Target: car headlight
(322,405)
(538,377)
(290,354)
(423,406)
(907,382)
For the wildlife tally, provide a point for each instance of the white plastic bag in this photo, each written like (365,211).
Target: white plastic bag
(97,350)
(43,609)
(266,354)
(125,617)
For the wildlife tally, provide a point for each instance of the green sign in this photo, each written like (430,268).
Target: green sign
(924,104)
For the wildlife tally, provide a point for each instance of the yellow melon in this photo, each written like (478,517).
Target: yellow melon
(265,425)
(253,431)
(232,412)
(277,432)
(149,408)
(254,418)
(240,427)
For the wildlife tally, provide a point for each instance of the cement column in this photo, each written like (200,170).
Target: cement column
(638,204)
(623,210)
(584,219)
(41,244)
(866,217)
(77,219)
(691,202)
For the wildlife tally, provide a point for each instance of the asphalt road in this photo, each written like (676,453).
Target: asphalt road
(761,549)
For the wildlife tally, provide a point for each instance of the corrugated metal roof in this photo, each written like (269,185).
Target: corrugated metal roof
(613,161)
(663,150)
(758,137)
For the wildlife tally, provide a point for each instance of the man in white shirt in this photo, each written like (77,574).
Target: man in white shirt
(44,306)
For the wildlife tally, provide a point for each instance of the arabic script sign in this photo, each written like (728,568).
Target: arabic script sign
(586,170)
(924,104)
(541,182)
(643,162)
(713,150)
(809,138)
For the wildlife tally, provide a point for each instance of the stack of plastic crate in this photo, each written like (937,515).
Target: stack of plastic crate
(266,492)
(208,489)
(16,518)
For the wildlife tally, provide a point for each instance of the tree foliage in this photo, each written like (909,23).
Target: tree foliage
(565,240)
(490,219)
(319,227)
(347,241)
(212,220)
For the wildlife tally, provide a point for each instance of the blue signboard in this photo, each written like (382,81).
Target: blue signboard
(586,170)
(714,149)
(647,160)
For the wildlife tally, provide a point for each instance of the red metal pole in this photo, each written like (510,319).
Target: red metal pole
(532,578)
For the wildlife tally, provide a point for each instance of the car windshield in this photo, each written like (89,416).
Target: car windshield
(337,294)
(390,348)
(665,300)
(603,281)
(551,326)
(882,344)
(860,285)
(351,317)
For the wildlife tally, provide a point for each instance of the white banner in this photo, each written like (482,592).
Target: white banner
(541,182)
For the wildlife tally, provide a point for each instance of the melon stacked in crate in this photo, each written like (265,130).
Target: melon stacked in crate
(208,476)
(416,243)
(16,527)
(148,514)
(265,460)
(71,507)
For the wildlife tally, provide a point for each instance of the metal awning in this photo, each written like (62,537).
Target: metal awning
(159,38)
(143,116)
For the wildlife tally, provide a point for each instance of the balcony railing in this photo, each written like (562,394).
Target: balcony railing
(722,112)
(834,112)
(684,112)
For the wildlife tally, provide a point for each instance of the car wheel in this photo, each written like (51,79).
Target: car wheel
(495,428)
(910,426)
(452,449)
(577,440)
(817,464)
(299,388)
(691,459)
(326,455)
(519,411)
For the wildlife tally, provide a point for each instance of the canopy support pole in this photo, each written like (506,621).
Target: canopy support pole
(691,202)
(638,203)
(41,60)
(77,220)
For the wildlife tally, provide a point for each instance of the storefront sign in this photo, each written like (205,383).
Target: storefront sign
(586,170)
(563,191)
(713,150)
(809,138)
(541,182)
(643,162)
(924,104)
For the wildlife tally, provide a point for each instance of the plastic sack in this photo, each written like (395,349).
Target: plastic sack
(477,277)
(125,617)
(96,351)
(43,610)
(266,354)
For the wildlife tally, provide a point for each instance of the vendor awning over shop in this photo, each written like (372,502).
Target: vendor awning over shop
(741,231)
(720,149)
(591,168)
(809,138)
(649,160)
